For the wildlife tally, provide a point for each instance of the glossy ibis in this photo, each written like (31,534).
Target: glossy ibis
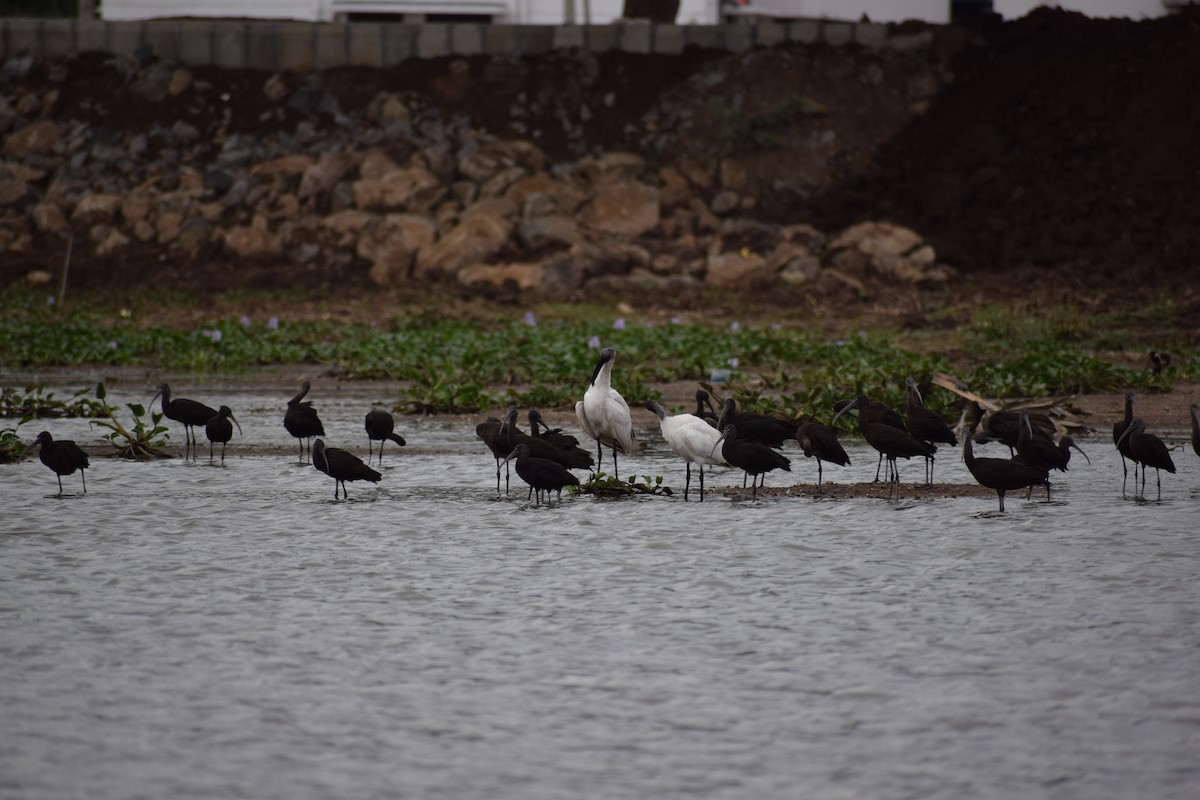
(301,419)
(62,456)
(1196,428)
(603,413)
(821,442)
(761,428)
(1005,427)
(542,474)
(510,436)
(1122,444)
(871,412)
(892,443)
(925,424)
(188,412)
(568,444)
(341,466)
(1149,451)
(1002,474)
(220,429)
(704,408)
(379,425)
(751,457)
(489,432)
(1042,453)
(690,438)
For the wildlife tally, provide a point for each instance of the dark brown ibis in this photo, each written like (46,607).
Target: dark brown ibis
(753,458)
(380,426)
(892,443)
(542,474)
(62,456)
(871,412)
(190,413)
(301,419)
(489,432)
(1005,427)
(1147,450)
(761,428)
(510,436)
(580,458)
(925,424)
(820,442)
(1196,428)
(1002,474)
(1042,453)
(220,429)
(705,409)
(1122,444)
(341,466)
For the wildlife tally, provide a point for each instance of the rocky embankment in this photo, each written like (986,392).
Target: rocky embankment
(392,193)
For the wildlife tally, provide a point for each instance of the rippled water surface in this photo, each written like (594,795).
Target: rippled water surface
(191,631)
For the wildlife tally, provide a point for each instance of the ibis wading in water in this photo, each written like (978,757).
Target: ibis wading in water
(603,413)
(1149,451)
(189,412)
(821,442)
(870,412)
(63,457)
(1195,409)
(1041,452)
(892,443)
(925,424)
(542,474)
(753,458)
(489,432)
(341,466)
(301,419)
(692,439)
(1122,443)
(380,425)
(220,429)
(1002,474)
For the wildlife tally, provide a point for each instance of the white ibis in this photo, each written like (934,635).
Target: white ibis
(692,439)
(603,413)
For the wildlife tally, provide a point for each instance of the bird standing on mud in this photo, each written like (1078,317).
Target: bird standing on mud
(692,439)
(603,413)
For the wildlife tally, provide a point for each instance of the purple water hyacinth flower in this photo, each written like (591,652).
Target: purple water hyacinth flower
(245,321)
(619,324)
(112,344)
(594,343)
(50,300)
(735,326)
(530,319)
(273,323)
(216,336)
(733,362)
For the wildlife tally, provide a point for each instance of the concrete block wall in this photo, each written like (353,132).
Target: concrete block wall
(273,45)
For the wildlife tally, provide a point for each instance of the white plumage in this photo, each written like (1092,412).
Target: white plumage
(692,439)
(603,413)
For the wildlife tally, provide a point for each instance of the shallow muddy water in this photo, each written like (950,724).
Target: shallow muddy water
(192,631)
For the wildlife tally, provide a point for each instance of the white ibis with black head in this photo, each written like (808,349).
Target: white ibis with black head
(692,439)
(603,413)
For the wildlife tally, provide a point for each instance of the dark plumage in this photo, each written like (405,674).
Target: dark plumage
(542,475)
(752,458)
(761,428)
(1122,444)
(379,425)
(891,442)
(188,412)
(821,442)
(220,429)
(62,456)
(870,412)
(341,466)
(568,444)
(510,436)
(1196,428)
(301,419)
(1002,474)
(705,409)
(1147,450)
(489,432)
(1042,453)
(925,424)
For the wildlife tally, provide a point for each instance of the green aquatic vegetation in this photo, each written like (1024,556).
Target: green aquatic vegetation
(603,485)
(34,402)
(141,440)
(11,445)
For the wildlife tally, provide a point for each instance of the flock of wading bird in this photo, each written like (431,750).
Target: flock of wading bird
(747,441)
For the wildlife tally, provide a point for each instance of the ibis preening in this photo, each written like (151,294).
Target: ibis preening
(925,424)
(220,429)
(380,425)
(820,442)
(690,438)
(341,466)
(871,412)
(540,447)
(568,444)
(188,412)
(751,457)
(1122,443)
(489,432)
(1147,450)
(603,413)
(301,419)
(761,428)
(62,456)
(891,442)
(704,408)
(1002,474)
(1005,427)
(542,474)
